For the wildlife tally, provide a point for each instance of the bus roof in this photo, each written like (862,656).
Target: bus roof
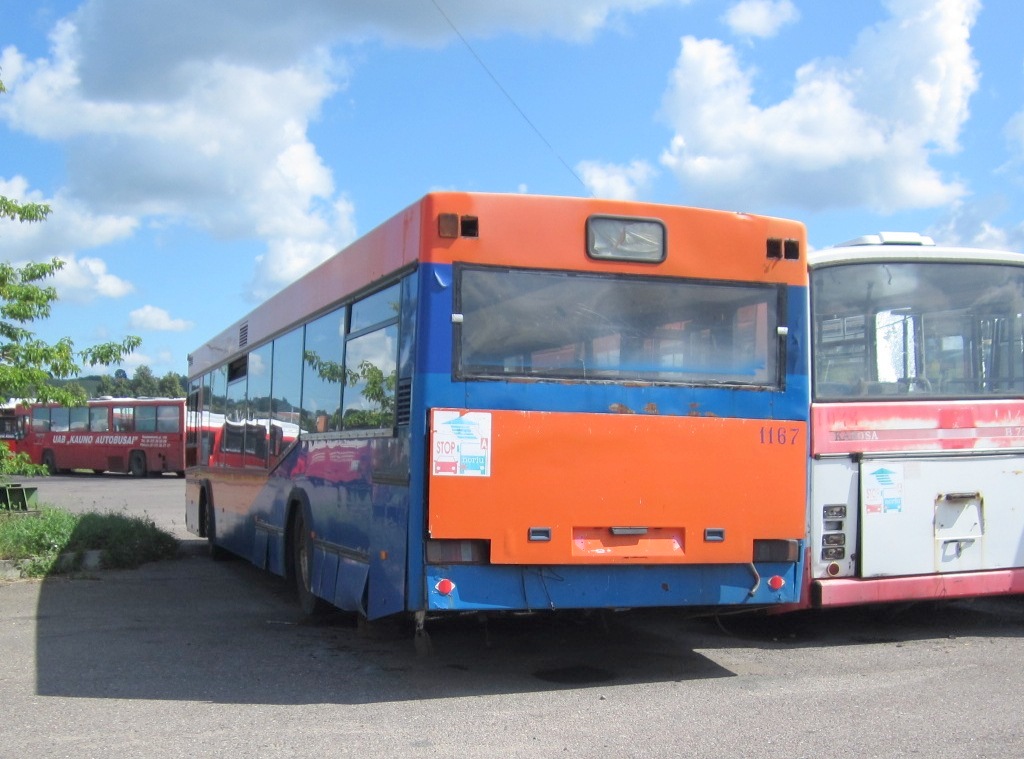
(520,230)
(906,246)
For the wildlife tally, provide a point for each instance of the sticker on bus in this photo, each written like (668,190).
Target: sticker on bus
(461,443)
(883,490)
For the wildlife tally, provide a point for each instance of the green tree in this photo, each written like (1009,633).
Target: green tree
(117,387)
(144,383)
(172,385)
(27,363)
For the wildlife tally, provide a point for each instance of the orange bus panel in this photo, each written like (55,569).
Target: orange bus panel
(618,488)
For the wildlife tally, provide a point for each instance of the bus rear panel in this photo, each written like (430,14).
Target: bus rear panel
(917,423)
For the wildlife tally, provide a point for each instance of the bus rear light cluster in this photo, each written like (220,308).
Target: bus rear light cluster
(444,587)
(834,511)
(833,539)
(776,550)
(458,552)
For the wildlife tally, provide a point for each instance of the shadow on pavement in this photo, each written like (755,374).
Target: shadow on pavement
(197,630)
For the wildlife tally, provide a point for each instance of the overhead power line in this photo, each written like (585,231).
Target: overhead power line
(508,96)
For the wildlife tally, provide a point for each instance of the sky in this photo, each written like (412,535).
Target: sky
(200,155)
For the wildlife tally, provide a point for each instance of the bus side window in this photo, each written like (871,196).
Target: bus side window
(168,419)
(79,419)
(124,419)
(41,419)
(60,419)
(99,419)
(145,419)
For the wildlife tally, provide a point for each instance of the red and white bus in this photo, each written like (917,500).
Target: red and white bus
(10,423)
(511,403)
(917,439)
(138,436)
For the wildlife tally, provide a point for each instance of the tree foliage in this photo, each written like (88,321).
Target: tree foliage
(142,384)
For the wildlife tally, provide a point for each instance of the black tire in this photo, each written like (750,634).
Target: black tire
(137,464)
(208,528)
(50,462)
(302,568)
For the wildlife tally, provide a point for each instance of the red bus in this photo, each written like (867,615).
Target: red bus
(917,420)
(509,403)
(137,436)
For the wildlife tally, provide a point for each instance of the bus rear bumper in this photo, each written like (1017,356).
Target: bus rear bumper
(852,592)
(535,588)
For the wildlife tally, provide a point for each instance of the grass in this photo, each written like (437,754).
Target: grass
(124,541)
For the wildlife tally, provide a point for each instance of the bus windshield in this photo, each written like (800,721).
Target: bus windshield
(544,324)
(886,331)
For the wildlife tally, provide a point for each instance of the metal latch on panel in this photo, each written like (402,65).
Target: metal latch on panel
(628,530)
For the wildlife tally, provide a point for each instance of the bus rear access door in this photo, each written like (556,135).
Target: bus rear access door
(940,514)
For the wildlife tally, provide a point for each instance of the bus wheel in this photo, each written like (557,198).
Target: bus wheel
(302,558)
(137,464)
(49,462)
(208,527)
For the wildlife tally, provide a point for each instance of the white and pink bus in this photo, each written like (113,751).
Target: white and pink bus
(917,422)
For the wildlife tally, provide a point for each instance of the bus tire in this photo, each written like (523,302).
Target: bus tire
(302,565)
(137,464)
(49,462)
(208,529)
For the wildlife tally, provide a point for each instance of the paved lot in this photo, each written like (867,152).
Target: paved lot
(194,658)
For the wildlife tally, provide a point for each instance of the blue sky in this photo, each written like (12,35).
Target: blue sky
(200,155)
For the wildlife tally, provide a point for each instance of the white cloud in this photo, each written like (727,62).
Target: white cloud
(1014,132)
(968,224)
(860,131)
(230,155)
(198,113)
(155,318)
(616,182)
(82,280)
(125,47)
(69,227)
(760,18)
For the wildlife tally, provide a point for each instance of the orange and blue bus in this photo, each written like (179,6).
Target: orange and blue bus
(508,403)
(136,436)
(917,422)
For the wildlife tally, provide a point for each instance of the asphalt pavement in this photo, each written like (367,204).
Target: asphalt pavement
(196,658)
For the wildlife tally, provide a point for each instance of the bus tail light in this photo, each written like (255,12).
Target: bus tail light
(458,552)
(776,550)
(444,586)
